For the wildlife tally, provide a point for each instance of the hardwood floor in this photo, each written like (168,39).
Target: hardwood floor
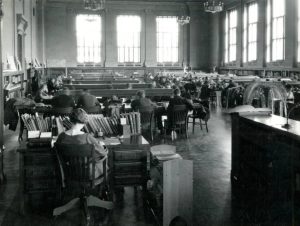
(210,152)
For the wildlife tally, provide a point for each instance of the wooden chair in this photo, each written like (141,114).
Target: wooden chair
(147,119)
(197,115)
(77,170)
(177,121)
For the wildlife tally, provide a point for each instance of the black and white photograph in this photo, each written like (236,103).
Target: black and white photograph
(149,112)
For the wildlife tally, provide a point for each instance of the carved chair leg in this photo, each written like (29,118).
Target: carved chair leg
(200,122)
(70,205)
(194,121)
(94,201)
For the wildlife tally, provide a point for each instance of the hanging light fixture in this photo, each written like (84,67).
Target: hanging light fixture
(183,17)
(94,5)
(212,6)
(182,20)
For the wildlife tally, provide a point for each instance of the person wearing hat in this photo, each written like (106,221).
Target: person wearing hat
(75,136)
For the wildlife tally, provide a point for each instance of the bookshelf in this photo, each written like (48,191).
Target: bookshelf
(14,83)
(282,72)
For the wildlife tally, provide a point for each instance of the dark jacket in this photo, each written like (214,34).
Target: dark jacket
(87,101)
(142,103)
(11,114)
(63,101)
(178,100)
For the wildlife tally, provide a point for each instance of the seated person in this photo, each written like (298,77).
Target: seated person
(52,88)
(190,88)
(63,100)
(113,101)
(290,95)
(42,95)
(87,101)
(75,136)
(205,94)
(178,100)
(141,101)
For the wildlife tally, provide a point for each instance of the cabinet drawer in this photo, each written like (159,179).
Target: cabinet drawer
(134,155)
(33,185)
(39,159)
(129,167)
(129,179)
(39,172)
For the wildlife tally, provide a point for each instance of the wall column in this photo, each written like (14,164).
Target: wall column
(2,177)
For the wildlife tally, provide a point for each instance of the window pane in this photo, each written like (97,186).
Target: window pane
(252,33)
(232,53)
(167,30)
(88,33)
(128,38)
(278,8)
(233,18)
(232,35)
(253,13)
(276,23)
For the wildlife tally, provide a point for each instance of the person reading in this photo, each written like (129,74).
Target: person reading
(42,96)
(75,136)
(141,101)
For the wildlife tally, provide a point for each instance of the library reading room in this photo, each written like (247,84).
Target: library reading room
(150,112)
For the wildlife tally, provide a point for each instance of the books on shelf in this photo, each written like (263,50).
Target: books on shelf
(37,122)
(98,123)
(109,126)
(134,120)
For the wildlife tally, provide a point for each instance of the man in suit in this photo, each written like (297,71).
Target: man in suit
(87,101)
(142,102)
(175,101)
(178,100)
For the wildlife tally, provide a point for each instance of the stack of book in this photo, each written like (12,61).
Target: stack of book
(134,120)
(37,122)
(98,123)
(109,126)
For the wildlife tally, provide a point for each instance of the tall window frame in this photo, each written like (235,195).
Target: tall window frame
(231,22)
(250,32)
(298,28)
(89,38)
(275,41)
(167,39)
(129,38)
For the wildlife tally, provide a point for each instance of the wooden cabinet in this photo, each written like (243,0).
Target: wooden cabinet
(128,162)
(266,169)
(37,178)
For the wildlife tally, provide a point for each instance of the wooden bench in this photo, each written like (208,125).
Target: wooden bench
(108,86)
(100,81)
